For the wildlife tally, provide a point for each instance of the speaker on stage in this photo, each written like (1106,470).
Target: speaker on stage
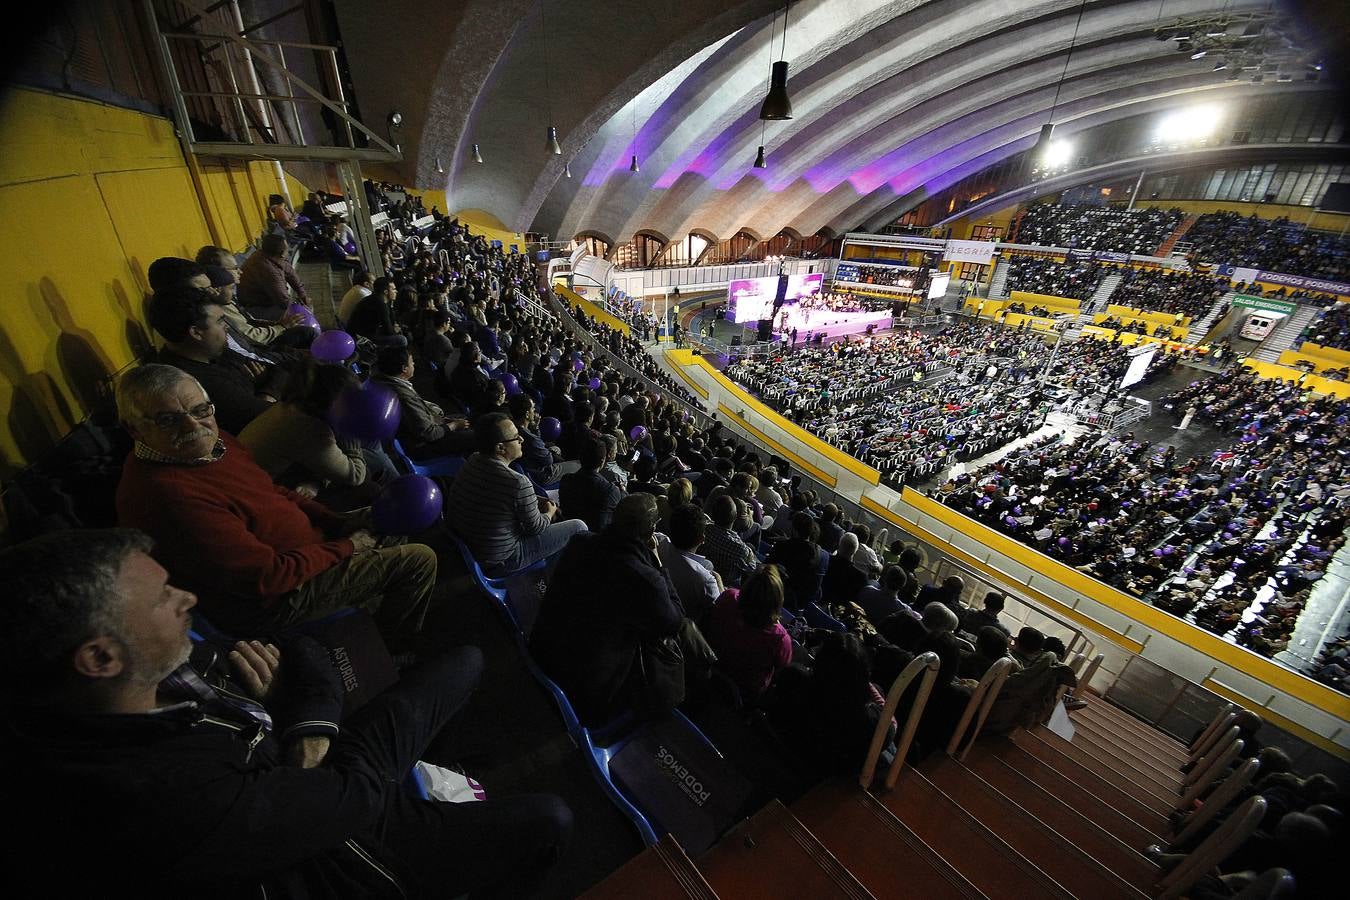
(765,332)
(779,295)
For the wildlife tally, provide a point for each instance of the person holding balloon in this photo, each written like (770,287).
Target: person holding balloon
(424,429)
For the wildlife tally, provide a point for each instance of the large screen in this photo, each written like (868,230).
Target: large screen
(751,299)
(937,285)
(1140,357)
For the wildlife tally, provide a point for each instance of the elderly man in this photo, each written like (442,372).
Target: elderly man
(262,557)
(176,777)
(266,274)
(495,509)
(223,271)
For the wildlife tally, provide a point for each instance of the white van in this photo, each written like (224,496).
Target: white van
(1260,324)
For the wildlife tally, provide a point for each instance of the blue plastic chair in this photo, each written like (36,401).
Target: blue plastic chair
(444,466)
(819,618)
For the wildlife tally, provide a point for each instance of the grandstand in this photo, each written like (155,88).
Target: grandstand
(476,541)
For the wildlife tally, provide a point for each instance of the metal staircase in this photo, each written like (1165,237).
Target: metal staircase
(1102,295)
(998,284)
(233,95)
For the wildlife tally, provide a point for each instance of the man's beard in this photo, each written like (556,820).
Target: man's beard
(141,675)
(191,438)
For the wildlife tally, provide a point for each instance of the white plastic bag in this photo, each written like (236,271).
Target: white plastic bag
(448,785)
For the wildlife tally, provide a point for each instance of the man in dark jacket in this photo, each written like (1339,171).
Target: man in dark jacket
(174,782)
(586,494)
(606,598)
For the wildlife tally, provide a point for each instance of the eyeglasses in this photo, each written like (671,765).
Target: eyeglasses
(512,440)
(168,421)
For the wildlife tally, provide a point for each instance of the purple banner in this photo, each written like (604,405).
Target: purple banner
(1304,283)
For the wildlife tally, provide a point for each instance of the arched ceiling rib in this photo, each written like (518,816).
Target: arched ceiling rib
(893,101)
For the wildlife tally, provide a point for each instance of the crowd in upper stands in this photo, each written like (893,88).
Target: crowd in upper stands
(1038,275)
(1331,328)
(1161,290)
(1138,231)
(1274,245)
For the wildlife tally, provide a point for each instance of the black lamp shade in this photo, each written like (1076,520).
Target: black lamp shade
(1047,132)
(552,141)
(777,106)
(759,159)
(633,166)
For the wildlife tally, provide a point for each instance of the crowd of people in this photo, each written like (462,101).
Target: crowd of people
(911,403)
(1274,245)
(1138,231)
(1331,328)
(1236,540)
(1185,294)
(1136,326)
(1078,279)
(886,276)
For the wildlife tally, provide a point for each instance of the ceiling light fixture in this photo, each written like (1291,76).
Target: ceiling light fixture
(633,166)
(777,106)
(1048,129)
(1220,65)
(759,159)
(551,140)
(440,169)
(567,170)
(477,157)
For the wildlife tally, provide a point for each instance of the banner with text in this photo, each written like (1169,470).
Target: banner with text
(1247,301)
(1298,282)
(981,252)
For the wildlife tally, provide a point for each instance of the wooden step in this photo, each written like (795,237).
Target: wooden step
(987,860)
(772,854)
(1121,722)
(1116,798)
(662,872)
(1110,838)
(1146,796)
(1127,761)
(880,851)
(1139,757)
(1059,855)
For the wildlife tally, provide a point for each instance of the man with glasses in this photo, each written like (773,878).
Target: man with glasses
(496,510)
(259,556)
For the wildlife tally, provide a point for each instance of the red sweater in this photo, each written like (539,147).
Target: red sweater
(224,530)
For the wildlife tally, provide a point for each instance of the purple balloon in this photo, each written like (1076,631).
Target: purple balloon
(1157,551)
(333,347)
(306,314)
(512,385)
(637,433)
(549,428)
(407,505)
(594,383)
(367,413)
(577,364)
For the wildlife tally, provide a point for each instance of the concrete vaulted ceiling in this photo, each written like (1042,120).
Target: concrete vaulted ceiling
(892,101)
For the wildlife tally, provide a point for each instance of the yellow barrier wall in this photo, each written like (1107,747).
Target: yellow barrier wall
(1319,364)
(1330,354)
(1176,332)
(91,195)
(1271,673)
(1300,214)
(1154,318)
(573,300)
(1311,382)
(1068,304)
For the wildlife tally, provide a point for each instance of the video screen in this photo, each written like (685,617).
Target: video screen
(751,299)
(1138,366)
(802,286)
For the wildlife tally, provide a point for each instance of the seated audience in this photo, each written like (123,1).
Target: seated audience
(362,287)
(1028,696)
(745,632)
(260,556)
(267,279)
(424,430)
(695,580)
(991,645)
(495,509)
(372,318)
(228,774)
(803,560)
(732,557)
(843,581)
(975,619)
(586,494)
(606,601)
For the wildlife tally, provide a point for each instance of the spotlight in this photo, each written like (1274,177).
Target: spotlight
(477,157)
(777,106)
(759,159)
(633,166)
(440,169)
(567,170)
(1043,142)
(395,119)
(1220,65)
(1057,155)
(551,142)
(1199,54)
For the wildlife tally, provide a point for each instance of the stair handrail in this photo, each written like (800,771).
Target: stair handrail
(1215,848)
(1213,725)
(1212,734)
(1085,679)
(1221,749)
(977,708)
(1216,802)
(927,664)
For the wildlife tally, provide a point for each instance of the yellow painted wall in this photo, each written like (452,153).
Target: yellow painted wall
(1050,301)
(1330,354)
(488,225)
(1325,221)
(91,195)
(964,227)
(573,300)
(1130,313)
(1311,382)
(1319,363)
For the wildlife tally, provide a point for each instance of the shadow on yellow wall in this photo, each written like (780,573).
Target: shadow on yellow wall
(92,194)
